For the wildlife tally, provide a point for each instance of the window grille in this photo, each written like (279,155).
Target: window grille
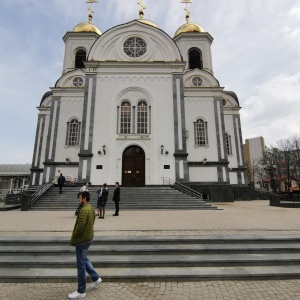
(228,143)
(73,133)
(200,133)
(142,117)
(125,117)
(135,47)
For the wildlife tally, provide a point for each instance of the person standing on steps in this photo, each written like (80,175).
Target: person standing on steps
(116,198)
(82,236)
(61,181)
(85,188)
(104,198)
(99,199)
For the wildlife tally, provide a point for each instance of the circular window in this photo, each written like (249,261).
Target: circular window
(224,101)
(197,81)
(77,81)
(135,47)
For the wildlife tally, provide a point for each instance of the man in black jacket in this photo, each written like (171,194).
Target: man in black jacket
(116,198)
(61,182)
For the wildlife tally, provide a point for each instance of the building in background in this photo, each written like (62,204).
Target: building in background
(135,105)
(14,177)
(254,152)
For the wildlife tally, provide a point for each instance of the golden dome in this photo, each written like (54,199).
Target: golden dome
(189,27)
(148,22)
(86,27)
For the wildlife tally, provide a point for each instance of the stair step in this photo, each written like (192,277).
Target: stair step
(152,274)
(123,261)
(147,198)
(140,258)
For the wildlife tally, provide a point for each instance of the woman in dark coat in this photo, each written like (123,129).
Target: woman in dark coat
(104,198)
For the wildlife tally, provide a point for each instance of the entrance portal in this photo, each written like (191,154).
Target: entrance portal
(133,166)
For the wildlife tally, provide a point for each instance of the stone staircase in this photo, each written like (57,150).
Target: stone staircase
(140,198)
(154,258)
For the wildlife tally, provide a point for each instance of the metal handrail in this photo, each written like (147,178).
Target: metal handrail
(41,191)
(183,188)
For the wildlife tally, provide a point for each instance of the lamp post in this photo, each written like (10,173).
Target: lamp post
(271,169)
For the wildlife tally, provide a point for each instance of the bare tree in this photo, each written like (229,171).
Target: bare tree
(295,140)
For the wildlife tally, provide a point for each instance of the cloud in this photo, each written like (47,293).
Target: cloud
(274,111)
(256,53)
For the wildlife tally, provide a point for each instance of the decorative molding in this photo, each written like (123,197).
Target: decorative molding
(198,100)
(135,137)
(135,78)
(67,100)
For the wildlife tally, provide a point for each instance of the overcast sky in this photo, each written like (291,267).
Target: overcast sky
(256,54)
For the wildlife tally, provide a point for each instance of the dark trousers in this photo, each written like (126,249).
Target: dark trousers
(60,188)
(117,207)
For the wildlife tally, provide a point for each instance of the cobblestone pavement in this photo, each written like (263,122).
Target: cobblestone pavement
(212,290)
(242,218)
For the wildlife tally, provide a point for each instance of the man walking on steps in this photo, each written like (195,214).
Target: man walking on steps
(82,236)
(116,198)
(61,182)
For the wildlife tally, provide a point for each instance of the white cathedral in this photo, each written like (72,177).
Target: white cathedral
(135,105)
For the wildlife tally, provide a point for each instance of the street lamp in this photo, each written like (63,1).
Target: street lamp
(271,169)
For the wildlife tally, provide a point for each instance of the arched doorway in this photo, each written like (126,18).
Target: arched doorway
(133,166)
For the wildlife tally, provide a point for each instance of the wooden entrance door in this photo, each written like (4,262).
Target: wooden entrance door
(133,166)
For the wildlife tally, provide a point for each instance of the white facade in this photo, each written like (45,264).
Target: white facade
(134,106)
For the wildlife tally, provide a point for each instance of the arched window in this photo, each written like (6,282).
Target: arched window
(142,117)
(195,59)
(125,117)
(201,133)
(228,143)
(73,133)
(80,57)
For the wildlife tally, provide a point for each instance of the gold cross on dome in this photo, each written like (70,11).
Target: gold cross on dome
(187,16)
(91,9)
(142,7)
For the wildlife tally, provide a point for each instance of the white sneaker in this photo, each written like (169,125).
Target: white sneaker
(76,295)
(95,283)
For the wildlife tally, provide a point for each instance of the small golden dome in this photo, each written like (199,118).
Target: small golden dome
(189,27)
(148,22)
(86,27)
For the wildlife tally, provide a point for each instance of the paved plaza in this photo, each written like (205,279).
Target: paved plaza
(240,218)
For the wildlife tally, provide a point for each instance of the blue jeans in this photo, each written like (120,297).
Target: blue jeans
(84,266)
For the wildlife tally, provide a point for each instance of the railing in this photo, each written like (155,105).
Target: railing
(14,191)
(41,191)
(10,202)
(181,187)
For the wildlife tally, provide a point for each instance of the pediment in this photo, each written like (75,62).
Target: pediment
(199,78)
(74,79)
(153,44)
(229,101)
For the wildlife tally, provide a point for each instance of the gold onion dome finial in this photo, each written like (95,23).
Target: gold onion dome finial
(188,26)
(88,26)
(141,14)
